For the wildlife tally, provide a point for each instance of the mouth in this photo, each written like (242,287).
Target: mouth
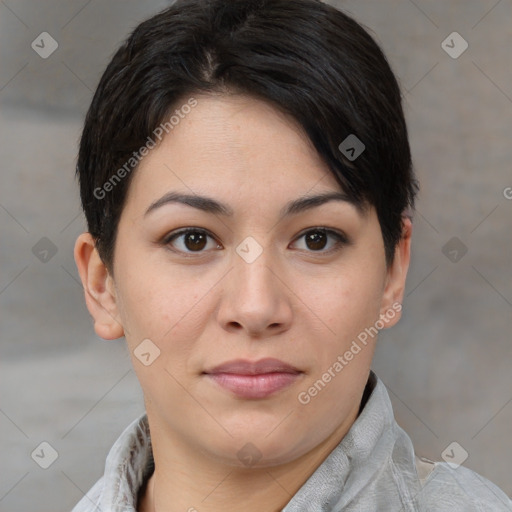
(254,380)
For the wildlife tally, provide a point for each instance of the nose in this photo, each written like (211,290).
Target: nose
(256,297)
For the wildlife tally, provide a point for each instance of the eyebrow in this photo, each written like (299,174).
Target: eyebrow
(210,205)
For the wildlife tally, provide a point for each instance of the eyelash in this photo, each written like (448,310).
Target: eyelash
(341,240)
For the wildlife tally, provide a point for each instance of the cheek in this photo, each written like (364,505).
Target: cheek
(164,310)
(347,301)
(156,307)
(164,304)
(146,298)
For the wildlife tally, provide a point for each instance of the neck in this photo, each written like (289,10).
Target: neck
(185,481)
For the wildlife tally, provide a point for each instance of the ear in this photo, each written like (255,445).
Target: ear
(396,274)
(99,288)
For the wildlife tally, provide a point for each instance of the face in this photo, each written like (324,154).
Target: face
(252,279)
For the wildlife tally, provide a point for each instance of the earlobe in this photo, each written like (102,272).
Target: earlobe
(397,273)
(99,292)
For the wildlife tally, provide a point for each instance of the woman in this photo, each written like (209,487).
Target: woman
(247,182)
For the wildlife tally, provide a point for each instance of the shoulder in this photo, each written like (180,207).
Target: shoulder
(453,489)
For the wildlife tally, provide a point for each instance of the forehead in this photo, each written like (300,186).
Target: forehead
(232,146)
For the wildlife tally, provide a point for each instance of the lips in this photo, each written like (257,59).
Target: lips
(254,380)
(263,366)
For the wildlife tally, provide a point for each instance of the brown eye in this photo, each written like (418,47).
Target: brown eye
(195,241)
(316,240)
(190,240)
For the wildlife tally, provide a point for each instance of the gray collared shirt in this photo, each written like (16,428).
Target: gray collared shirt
(373,468)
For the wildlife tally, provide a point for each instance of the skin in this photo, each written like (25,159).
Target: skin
(295,302)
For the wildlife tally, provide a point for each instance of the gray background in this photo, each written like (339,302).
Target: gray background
(446,365)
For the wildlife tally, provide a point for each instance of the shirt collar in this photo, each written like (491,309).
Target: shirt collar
(128,465)
(354,462)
